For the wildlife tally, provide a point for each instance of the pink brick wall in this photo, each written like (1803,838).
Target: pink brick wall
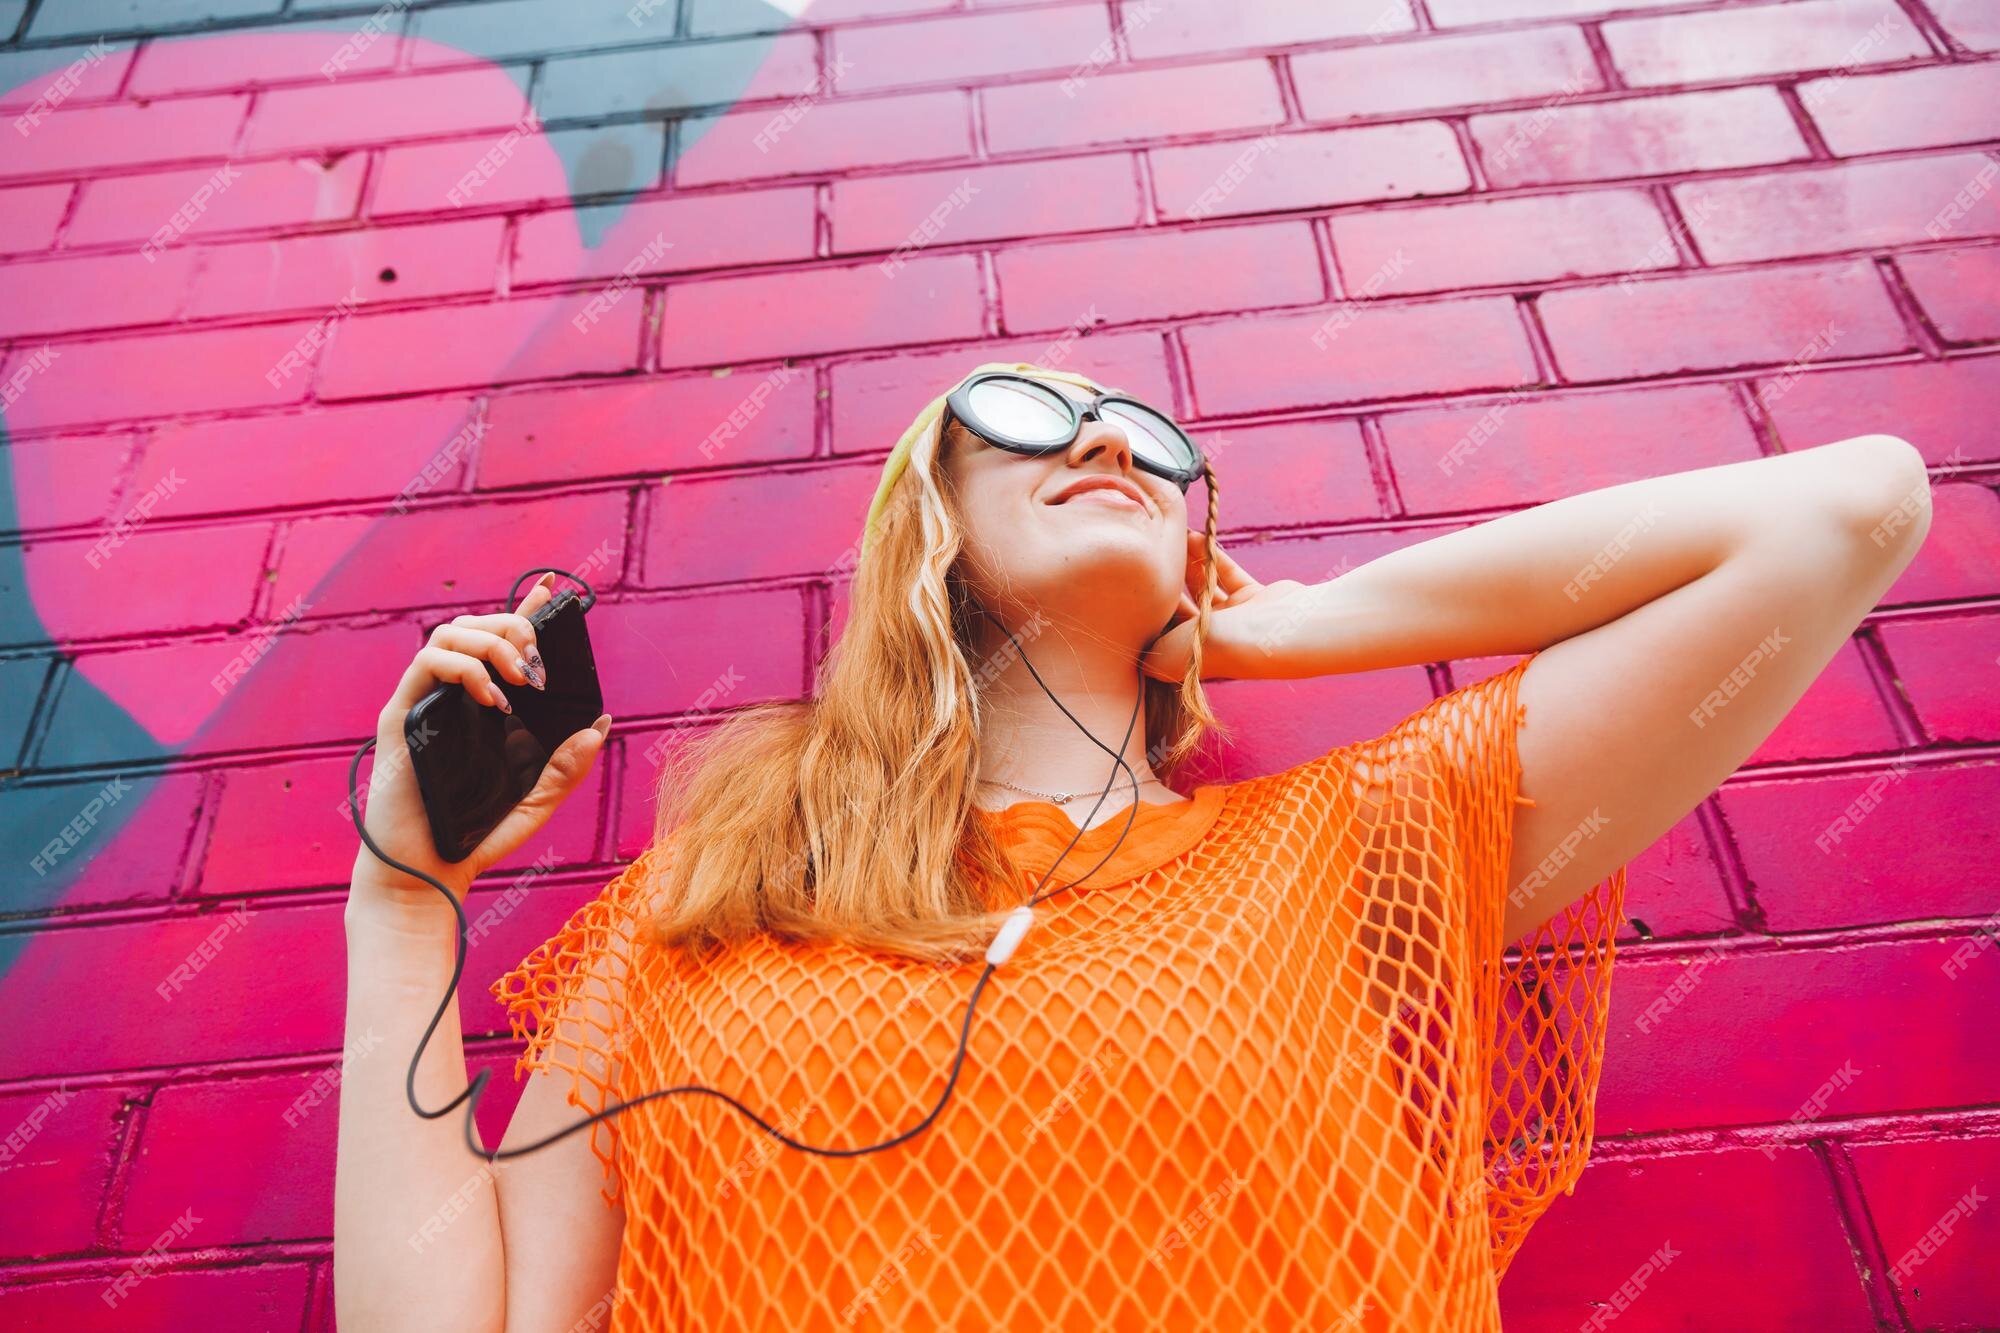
(1661,236)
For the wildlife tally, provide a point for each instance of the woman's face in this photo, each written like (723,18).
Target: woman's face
(1084,534)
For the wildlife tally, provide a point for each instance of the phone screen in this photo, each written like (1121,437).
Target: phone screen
(474,763)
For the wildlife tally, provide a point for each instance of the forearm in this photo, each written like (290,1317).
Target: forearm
(1529,579)
(417,1242)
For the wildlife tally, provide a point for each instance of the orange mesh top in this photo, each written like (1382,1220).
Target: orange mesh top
(1268,1068)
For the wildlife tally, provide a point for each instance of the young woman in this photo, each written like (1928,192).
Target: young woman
(1262,1058)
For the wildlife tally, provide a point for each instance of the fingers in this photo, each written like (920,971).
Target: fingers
(498,639)
(566,770)
(1230,577)
(540,593)
(434,665)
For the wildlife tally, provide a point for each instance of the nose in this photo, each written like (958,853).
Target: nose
(1100,439)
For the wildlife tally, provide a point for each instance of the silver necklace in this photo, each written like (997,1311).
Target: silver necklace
(1056,797)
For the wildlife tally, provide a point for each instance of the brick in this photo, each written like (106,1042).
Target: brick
(318,273)
(1959,291)
(1931,657)
(21,678)
(1637,136)
(227,1003)
(86,139)
(467,346)
(1849,206)
(1935,405)
(1309,170)
(269,1295)
(1281,723)
(711,17)
(724,320)
(131,849)
(690,538)
(285,826)
(1220,269)
(1537,239)
(226,62)
(262,194)
(1043,198)
(646,427)
(1929,1202)
(711,651)
(1956,559)
(1675,888)
(1368,352)
(1452,13)
(1710,1057)
(148,699)
(1200,27)
(272,1186)
(139,583)
(30,215)
(1793,1270)
(221,465)
(79,74)
(40,297)
(64,479)
(1431,72)
(1975,24)
(1712,321)
(1072,38)
(1841,713)
(1836,851)
(1285,475)
(1146,104)
(407,106)
(1915,108)
(827,137)
(640,777)
(658,79)
(443,557)
(1748,43)
(700,231)
(156,374)
(89,17)
(431,177)
(1534,449)
(516,28)
(57,1150)
(875,400)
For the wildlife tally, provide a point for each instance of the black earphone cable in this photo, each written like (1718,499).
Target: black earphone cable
(477,1085)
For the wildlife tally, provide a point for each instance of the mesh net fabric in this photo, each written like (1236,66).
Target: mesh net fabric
(1287,1077)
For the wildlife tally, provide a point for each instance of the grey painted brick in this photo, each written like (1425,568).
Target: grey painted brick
(87,18)
(671,78)
(509,29)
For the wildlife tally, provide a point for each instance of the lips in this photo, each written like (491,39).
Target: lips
(1100,489)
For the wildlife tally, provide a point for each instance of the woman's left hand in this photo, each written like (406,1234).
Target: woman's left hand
(1248,624)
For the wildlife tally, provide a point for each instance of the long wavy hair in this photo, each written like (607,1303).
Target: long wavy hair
(850,815)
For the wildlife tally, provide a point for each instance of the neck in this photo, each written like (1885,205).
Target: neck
(1026,740)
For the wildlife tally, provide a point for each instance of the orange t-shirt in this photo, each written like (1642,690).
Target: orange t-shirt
(1268,1068)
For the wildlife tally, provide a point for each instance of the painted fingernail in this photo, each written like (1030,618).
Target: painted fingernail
(500,700)
(537,675)
(603,724)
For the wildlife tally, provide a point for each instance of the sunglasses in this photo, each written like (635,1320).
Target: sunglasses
(1026,416)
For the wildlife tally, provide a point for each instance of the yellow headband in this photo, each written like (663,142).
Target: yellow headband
(899,457)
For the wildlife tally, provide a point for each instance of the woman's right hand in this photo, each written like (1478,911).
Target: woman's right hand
(394,811)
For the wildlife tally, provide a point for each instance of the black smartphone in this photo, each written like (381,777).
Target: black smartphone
(474,763)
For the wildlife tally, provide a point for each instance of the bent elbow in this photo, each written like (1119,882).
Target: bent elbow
(1883,494)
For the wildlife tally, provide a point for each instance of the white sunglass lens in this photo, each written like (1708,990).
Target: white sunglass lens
(1020,410)
(1149,436)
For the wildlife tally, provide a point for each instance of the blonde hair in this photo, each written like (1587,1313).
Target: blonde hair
(850,815)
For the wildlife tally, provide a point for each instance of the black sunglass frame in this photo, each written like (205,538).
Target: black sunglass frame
(958,406)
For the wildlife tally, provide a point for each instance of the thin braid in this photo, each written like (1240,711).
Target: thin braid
(1191,690)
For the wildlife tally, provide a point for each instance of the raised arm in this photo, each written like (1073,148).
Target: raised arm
(1676,619)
